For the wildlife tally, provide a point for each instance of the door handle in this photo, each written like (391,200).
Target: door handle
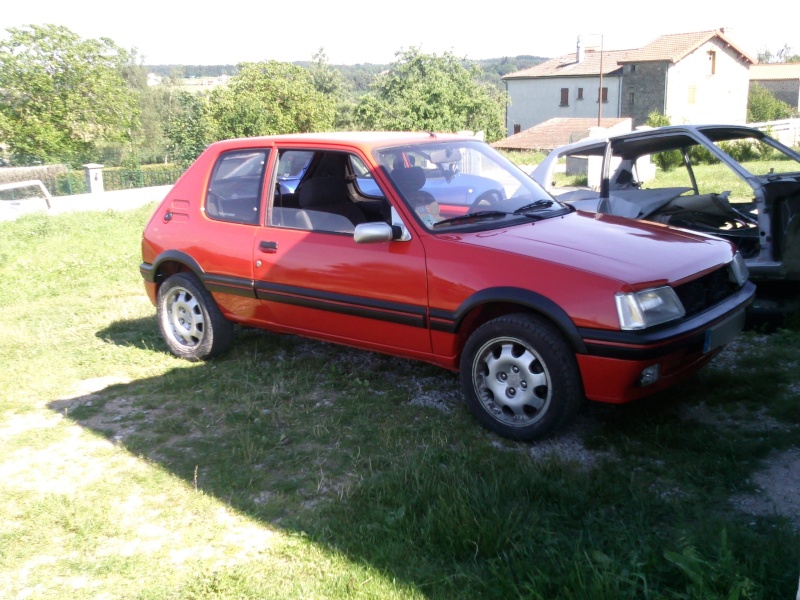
(268,247)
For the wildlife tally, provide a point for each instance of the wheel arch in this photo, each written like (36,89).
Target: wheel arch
(490,303)
(168,263)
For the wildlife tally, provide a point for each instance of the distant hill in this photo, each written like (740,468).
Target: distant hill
(495,68)
(192,70)
(358,76)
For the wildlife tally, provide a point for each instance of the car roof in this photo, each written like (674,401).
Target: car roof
(649,140)
(670,136)
(365,140)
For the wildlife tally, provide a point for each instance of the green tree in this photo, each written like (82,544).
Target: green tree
(433,93)
(61,95)
(762,105)
(668,159)
(329,81)
(268,98)
(784,55)
(188,127)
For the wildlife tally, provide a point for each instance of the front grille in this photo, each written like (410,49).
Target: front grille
(706,291)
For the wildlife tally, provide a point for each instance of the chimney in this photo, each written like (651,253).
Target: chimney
(579,52)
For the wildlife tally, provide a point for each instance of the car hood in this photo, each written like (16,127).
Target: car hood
(632,252)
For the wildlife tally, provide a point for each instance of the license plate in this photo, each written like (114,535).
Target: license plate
(724,332)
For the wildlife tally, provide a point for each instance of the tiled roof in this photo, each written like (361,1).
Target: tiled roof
(554,133)
(675,47)
(568,66)
(775,71)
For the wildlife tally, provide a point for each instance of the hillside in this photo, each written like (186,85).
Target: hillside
(358,76)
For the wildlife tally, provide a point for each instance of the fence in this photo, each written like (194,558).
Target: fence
(786,131)
(66,182)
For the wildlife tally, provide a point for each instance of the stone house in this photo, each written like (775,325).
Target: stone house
(782,79)
(690,77)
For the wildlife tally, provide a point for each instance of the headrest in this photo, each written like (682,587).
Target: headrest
(322,191)
(409,180)
(625,177)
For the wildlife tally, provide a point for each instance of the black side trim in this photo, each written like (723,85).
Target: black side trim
(229,285)
(651,344)
(393,312)
(213,283)
(450,322)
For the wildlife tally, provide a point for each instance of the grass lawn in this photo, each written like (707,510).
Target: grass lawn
(290,468)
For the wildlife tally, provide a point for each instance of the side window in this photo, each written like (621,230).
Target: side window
(234,193)
(292,165)
(365,182)
(325,191)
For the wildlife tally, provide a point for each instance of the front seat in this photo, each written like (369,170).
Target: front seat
(324,196)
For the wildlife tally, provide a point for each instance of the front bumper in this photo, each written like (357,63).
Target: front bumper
(612,367)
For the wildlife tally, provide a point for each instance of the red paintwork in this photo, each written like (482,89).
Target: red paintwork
(578,261)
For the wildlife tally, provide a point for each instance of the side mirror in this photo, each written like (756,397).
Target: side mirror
(372,233)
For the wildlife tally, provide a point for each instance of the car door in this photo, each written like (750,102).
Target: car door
(314,279)
(223,240)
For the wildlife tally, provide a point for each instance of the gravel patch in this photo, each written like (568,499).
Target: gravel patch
(778,490)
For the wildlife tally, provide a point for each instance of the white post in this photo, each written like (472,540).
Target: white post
(94,178)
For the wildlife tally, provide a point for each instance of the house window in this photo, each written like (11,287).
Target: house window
(633,68)
(712,60)
(692,94)
(564,97)
(630,98)
(580,93)
(517,127)
(605,95)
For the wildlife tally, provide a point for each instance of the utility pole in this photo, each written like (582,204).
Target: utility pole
(600,89)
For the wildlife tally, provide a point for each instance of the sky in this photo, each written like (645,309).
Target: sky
(358,31)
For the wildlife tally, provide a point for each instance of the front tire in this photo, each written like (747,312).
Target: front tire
(190,320)
(520,378)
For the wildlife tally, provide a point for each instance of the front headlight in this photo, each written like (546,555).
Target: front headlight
(644,309)
(738,270)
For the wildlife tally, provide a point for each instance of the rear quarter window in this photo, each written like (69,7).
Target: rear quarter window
(234,192)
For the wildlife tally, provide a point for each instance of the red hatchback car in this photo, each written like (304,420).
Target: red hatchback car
(538,305)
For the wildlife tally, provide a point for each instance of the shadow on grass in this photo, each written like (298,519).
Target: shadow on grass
(377,458)
(139,333)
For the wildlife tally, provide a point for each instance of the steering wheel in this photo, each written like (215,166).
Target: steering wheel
(487,200)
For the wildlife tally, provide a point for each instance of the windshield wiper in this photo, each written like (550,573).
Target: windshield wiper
(538,205)
(476,216)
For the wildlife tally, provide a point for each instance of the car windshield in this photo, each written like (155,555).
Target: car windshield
(464,183)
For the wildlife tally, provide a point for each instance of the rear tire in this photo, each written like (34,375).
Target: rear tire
(190,320)
(520,378)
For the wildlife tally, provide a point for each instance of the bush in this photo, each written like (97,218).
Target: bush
(656,119)
(43,173)
(741,150)
(700,155)
(668,160)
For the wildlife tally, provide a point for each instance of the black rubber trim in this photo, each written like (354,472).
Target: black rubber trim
(148,272)
(651,344)
(229,285)
(213,283)
(179,257)
(450,322)
(393,312)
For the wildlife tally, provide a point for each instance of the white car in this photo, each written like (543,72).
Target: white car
(731,181)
